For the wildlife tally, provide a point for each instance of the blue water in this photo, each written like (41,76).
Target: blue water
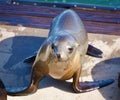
(113,3)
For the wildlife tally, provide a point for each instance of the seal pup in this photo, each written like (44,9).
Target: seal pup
(62,54)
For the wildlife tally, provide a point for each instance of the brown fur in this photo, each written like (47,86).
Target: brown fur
(61,55)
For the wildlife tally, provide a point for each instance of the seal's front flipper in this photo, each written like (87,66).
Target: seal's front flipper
(3,92)
(93,51)
(31,58)
(89,86)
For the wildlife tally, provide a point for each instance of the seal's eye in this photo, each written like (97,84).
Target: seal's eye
(70,50)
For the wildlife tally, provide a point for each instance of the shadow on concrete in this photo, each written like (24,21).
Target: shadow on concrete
(13,51)
(108,69)
(62,85)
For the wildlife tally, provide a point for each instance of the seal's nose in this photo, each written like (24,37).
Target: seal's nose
(58,56)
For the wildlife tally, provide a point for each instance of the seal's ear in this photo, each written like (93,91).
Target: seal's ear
(44,51)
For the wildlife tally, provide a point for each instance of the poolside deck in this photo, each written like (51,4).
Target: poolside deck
(16,44)
(95,21)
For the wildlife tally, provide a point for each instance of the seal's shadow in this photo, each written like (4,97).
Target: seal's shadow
(13,51)
(13,72)
(108,69)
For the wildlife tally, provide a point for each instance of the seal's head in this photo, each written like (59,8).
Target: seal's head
(64,47)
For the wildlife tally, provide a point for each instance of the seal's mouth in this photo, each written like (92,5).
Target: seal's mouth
(61,60)
(58,57)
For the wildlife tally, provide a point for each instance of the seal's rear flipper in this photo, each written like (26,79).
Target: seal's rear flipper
(89,86)
(93,51)
(3,92)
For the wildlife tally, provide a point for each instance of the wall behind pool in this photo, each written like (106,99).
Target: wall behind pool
(103,4)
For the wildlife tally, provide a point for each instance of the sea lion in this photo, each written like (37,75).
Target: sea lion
(61,55)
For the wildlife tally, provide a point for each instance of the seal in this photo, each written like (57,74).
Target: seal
(62,54)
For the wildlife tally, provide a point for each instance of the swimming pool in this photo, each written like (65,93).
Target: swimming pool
(102,4)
